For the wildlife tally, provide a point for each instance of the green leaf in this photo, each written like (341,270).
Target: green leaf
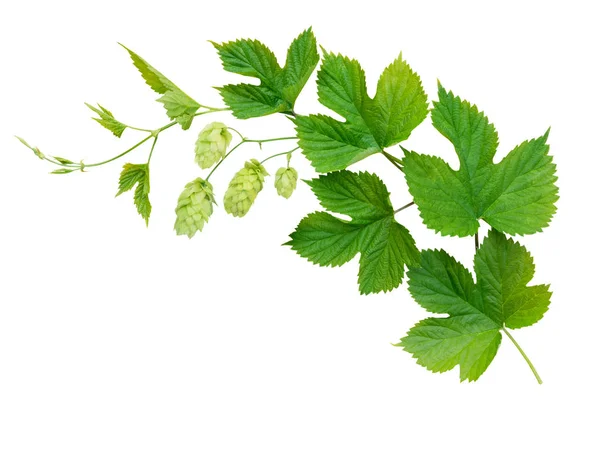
(137,174)
(63,160)
(504,268)
(35,150)
(279,87)
(107,120)
(515,196)
(477,312)
(385,245)
(179,106)
(372,124)
(62,171)
(247,101)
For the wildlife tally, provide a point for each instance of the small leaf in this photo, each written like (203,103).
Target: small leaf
(139,174)
(35,150)
(107,120)
(63,160)
(62,171)
(131,175)
(179,106)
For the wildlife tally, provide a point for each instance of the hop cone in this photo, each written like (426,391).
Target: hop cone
(194,207)
(211,144)
(244,187)
(285,181)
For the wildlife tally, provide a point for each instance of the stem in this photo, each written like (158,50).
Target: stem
(476,240)
(395,161)
(237,132)
(211,109)
(262,141)
(404,207)
(390,156)
(226,155)
(152,149)
(279,154)
(138,129)
(119,155)
(537,375)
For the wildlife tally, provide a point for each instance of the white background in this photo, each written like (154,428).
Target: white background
(114,336)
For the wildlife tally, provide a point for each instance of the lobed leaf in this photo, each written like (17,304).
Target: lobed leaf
(107,120)
(515,196)
(137,174)
(371,124)
(279,87)
(470,336)
(386,247)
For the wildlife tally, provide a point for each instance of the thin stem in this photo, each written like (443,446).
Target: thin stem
(224,157)
(138,129)
(152,149)
(537,375)
(408,205)
(279,154)
(151,134)
(211,109)
(476,240)
(393,160)
(119,155)
(237,132)
(390,156)
(262,141)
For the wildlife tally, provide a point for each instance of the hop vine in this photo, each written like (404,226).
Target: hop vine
(515,196)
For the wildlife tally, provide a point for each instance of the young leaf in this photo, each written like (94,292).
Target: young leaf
(139,174)
(62,160)
(385,245)
(62,171)
(107,120)
(179,106)
(470,335)
(279,87)
(515,196)
(372,124)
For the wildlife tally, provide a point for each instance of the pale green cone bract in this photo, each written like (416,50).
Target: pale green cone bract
(194,207)
(212,144)
(244,187)
(286,179)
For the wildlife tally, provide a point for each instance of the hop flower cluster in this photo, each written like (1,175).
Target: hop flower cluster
(244,187)
(212,144)
(194,207)
(286,179)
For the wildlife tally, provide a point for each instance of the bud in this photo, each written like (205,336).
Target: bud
(194,207)
(244,187)
(286,179)
(212,144)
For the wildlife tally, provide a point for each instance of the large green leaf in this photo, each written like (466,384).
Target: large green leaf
(470,335)
(386,247)
(372,124)
(515,196)
(279,87)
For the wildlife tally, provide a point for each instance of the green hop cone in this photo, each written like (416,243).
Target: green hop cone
(286,179)
(194,207)
(212,144)
(244,187)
